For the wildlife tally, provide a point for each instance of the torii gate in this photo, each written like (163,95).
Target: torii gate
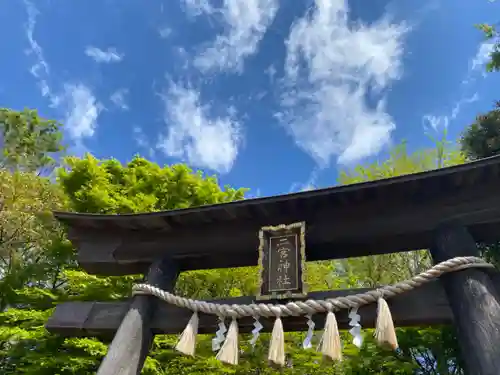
(445,210)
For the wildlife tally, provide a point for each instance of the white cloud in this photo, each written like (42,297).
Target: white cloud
(198,7)
(310,184)
(465,100)
(270,72)
(245,23)
(476,70)
(438,123)
(40,70)
(111,55)
(482,56)
(143,142)
(118,99)
(195,136)
(164,32)
(77,103)
(332,67)
(81,110)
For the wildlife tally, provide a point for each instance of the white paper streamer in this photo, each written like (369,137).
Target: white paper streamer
(220,335)
(355,331)
(256,331)
(306,344)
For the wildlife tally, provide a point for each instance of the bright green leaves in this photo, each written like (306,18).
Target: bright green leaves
(27,141)
(401,162)
(491,33)
(140,186)
(32,245)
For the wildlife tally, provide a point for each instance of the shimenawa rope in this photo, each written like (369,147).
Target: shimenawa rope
(330,345)
(298,308)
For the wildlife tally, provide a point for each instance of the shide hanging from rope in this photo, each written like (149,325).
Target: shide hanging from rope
(287,237)
(330,345)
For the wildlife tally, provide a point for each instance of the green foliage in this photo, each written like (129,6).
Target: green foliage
(434,349)
(27,348)
(107,186)
(32,246)
(491,33)
(482,138)
(401,162)
(28,142)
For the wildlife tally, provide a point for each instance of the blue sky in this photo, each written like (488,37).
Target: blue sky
(273,95)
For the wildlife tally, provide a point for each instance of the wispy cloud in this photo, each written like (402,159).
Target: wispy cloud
(164,32)
(110,55)
(118,99)
(438,123)
(332,67)
(244,22)
(482,56)
(270,72)
(81,110)
(310,184)
(143,142)
(198,7)
(76,102)
(194,135)
(40,70)
(477,67)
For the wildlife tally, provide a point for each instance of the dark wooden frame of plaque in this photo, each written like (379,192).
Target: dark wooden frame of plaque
(265,234)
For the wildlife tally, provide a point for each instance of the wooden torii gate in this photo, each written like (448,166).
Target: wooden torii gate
(446,210)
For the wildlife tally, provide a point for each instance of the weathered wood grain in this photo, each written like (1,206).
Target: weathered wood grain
(474,300)
(423,306)
(130,346)
(341,222)
(235,244)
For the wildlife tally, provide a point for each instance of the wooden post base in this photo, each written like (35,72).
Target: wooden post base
(130,346)
(473,300)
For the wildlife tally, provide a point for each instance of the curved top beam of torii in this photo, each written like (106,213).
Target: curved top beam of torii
(375,217)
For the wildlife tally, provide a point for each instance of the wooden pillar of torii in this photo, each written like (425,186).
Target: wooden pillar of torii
(473,299)
(131,344)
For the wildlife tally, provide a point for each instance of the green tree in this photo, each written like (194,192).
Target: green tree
(33,247)
(107,186)
(491,33)
(482,138)
(28,142)
(28,235)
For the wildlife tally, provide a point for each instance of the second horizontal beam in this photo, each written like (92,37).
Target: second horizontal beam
(426,305)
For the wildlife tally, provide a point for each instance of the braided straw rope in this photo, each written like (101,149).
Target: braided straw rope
(308,307)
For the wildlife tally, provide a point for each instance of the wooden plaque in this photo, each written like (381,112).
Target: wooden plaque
(282,261)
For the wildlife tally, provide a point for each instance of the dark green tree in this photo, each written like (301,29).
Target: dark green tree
(482,138)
